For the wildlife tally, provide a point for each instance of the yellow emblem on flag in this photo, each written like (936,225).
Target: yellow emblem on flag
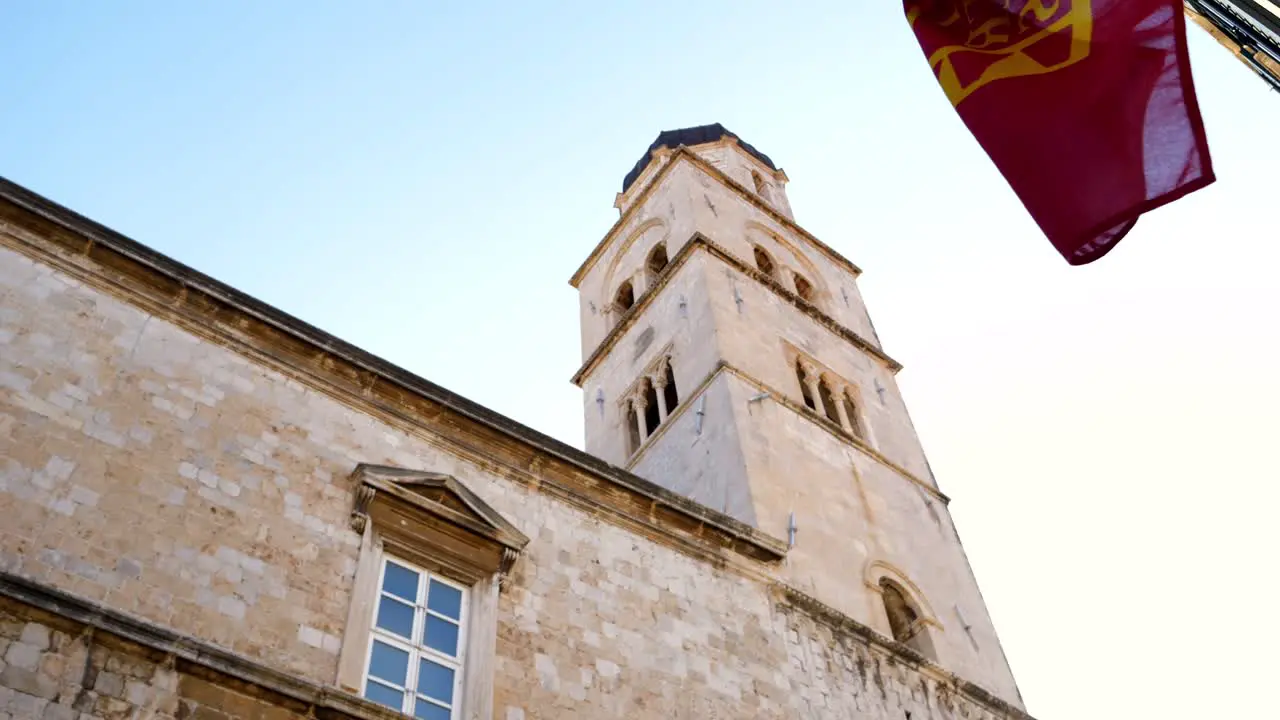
(1000,39)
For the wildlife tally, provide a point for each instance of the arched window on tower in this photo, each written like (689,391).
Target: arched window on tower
(904,620)
(851,412)
(651,416)
(803,288)
(763,262)
(624,298)
(758,182)
(804,387)
(657,261)
(633,430)
(828,401)
(669,394)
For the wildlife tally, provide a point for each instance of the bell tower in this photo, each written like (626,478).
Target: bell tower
(728,356)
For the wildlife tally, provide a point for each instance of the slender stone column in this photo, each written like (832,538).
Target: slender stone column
(659,381)
(845,421)
(811,379)
(640,404)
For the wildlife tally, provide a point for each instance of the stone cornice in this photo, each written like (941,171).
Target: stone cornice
(684,153)
(838,432)
(732,141)
(190,655)
(701,242)
(839,622)
(108,261)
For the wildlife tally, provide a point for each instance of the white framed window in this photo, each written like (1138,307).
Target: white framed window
(422,625)
(417,643)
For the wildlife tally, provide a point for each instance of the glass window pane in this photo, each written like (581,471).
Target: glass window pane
(388,663)
(400,581)
(382,694)
(441,635)
(427,710)
(445,599)
(435,681)
(395,617)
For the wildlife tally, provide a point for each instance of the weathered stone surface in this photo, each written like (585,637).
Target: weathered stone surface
(741,440)
(158,467)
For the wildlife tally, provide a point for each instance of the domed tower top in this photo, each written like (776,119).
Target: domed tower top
(716,144)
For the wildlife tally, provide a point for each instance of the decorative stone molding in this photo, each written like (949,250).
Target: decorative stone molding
(434,521)
(783,400)
(700,243)
(811,372)
(360,513)
(646,186)
(432,514)
(877,570)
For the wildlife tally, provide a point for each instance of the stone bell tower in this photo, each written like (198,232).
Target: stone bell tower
(728,356)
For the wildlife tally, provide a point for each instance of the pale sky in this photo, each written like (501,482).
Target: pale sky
(422,181)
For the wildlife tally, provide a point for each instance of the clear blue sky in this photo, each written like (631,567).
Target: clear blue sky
(422,180)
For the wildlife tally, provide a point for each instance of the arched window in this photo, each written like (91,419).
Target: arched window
(803,288)
(624,298)
(633,430)
(904,621)
(759,182)
(851,412)
(657,261)
(669,393)
(804,387)
(828,401)
(651,416)
(763,262)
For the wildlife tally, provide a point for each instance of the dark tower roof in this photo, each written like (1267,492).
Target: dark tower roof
(691,136)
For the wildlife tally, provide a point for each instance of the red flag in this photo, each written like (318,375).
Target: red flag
(1086,106)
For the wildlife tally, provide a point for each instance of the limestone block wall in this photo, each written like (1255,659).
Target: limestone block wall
(734,224)
(703,459)
(55,672)
(761,461)
(172,478)
(760,335)
(854,515)
(729,158)
(686,200)
(639,631)
(74,664)
(165,475)
(663,216)
(678,321)
(73,660)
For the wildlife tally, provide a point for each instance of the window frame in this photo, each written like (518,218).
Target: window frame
(416,650)
(436,526)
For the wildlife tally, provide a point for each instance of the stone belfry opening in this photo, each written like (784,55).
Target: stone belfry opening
(788,416)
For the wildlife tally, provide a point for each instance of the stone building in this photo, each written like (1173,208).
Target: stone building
(212,510)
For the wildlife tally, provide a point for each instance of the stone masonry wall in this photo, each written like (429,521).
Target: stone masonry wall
(600,624)
(58,667)
(51,674)
(173,479)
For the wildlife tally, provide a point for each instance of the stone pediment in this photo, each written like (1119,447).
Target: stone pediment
(435,516)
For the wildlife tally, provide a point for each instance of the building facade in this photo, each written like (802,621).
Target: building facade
(213,510)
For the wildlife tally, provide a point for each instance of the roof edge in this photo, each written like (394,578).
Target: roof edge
(97,235)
